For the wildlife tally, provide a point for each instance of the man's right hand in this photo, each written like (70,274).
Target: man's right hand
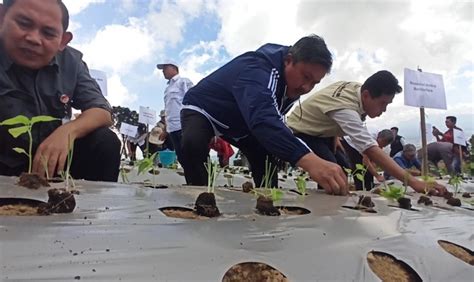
(327,174)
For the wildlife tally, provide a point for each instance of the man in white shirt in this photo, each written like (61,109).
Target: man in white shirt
(174,93)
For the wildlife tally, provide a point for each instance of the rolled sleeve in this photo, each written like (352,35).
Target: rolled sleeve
(352,125)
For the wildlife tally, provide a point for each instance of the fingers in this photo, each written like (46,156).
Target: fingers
(332,179)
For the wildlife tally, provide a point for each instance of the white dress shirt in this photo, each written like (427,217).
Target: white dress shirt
(174,94)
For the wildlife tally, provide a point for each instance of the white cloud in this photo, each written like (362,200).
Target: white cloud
(76,6)
(118,93)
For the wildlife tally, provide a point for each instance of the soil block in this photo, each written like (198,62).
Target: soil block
(265,206)
(32,180)
(448,195)
(253,272)
(389,268)
(404,203)
(365,201)
(59,201)
(454,202)
(247,186)
(206,205)
(425,200)
(466,195)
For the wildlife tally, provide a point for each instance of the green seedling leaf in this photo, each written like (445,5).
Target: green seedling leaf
(360,176)
(360,167)
(20,150)
(276,194)
(16,120)
(348,170)
(393,192)
(17,131)
(42,119)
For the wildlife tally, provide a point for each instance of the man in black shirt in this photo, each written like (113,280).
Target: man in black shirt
(40,75)
(397,144)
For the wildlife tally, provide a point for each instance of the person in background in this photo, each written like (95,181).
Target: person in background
(448,136)
(383,139)
(244,102)
(41,75)
(174,94)
(224,150)
(398,142)
(339,110)
(439,151)
(407,160)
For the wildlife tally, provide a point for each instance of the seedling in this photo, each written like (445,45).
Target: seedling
(146,164)
(213,170)
(455,181)
(66,174)
(25,125)
(230,179)
(269,192)
(393,192)
(430,182)
(301,184)
(44,163)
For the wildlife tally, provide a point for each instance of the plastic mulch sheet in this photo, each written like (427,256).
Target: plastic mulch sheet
(117,233)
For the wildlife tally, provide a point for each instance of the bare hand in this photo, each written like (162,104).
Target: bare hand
(52,152)
(331,177)
(380,178)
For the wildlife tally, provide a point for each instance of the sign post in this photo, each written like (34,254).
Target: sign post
(424,90)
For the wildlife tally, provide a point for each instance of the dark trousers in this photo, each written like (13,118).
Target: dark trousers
(175,137)
(96,157)
(356,158)
(196,135)
(323,147)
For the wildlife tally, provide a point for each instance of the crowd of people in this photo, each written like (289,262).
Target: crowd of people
(246,104)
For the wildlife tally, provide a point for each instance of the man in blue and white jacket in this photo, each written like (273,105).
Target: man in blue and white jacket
(244,102)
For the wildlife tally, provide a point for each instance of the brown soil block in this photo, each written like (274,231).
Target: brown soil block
(425,200)
(389,268)
(181,212)
(59,201)
(365,201)
(154,171)
(466,195)
(265,207)
(55,180)
(247,186)
(253,272)
(448,195)
(458,251)
(454,202)
(19,206)
(206,205)
(286,210)
(32,180)
(404,203)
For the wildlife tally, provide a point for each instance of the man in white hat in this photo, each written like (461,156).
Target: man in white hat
(174,93)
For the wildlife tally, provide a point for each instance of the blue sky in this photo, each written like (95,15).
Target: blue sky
(127,38)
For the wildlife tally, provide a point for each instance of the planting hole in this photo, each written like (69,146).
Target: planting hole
(297,192)
(389,268)
(19,206)
(458,251)
(156,186)
(285,210)
(253,272)
(361,208)
(181,212)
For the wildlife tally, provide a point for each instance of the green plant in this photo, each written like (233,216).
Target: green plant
(429,181)
(359,173)
(393,192)
(25,126)
(269,192)
(67,174)
(301,184)
(44,163)
(455,181)
(213,170)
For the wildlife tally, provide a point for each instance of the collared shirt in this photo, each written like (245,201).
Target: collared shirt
(52,90)
(174,94)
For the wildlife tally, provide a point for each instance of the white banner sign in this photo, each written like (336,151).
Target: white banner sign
(458,137)
(429,132)
(101,79)
(423,89)
(147,116)
(128,129)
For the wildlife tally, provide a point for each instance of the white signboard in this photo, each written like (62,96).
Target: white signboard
(423,89)
(147,116)
(429,132)
(128,129)
(101,79)
(458,136)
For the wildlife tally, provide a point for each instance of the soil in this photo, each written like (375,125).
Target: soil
(253,272)
(247,186)
(460,252)
(181,212)
(389,268)
(377,191)
(59,201)
(404,203)
(55,180)
(425,200)
(154,171)
(455,202)
(466,195)
(365,201)
(448,195)
(25,210)
(292,210)
(156,186)
(32,180)
(265,206)
(206,205)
